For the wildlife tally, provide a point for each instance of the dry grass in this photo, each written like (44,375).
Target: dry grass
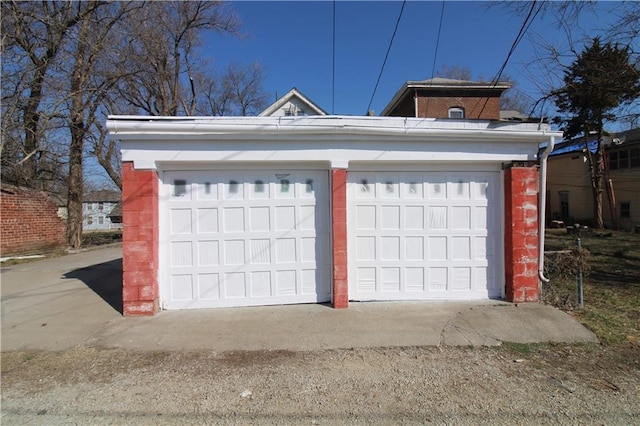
(611,287)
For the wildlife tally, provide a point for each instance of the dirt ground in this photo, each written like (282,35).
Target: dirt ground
(549,384)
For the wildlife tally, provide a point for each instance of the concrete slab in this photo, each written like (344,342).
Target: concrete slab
(55,304)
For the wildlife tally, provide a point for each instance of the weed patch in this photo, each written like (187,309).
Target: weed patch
(611,279)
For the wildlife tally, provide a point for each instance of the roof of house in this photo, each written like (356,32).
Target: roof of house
(439,83)
(513,115)
(573,146)
(614,139)
(102,195)
(293,93)
(116,211)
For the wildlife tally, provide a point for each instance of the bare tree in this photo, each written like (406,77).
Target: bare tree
(66,65)
(33,36)
(553,57)
(160,52)
(91,80)
(244,84)
(456,72)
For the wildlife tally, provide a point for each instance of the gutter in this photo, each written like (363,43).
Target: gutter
(542,194)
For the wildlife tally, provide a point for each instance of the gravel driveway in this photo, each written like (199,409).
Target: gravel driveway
(558,384)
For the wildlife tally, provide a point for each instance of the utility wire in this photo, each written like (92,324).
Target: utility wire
(435,56)
(387,55)
(523,30)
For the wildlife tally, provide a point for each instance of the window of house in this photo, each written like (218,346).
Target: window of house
(100,220)
(613,160)
(625,210)
(623,159)
(456,112)
(634,157)
(89,220)
(564,204)
(101,206)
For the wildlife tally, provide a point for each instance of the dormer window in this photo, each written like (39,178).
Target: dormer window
(456,112)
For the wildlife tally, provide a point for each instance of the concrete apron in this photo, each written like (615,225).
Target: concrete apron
(56,304)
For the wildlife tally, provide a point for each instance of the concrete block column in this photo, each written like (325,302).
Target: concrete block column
(521,233)
(140,237)
(339,234)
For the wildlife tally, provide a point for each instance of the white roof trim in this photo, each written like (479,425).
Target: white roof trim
(286,98)
(336,127)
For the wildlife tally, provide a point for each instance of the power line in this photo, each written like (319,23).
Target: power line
(435,55)
(387,55)
(523,29)
(528,20)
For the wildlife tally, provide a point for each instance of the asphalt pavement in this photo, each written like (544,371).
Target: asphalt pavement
(58,303)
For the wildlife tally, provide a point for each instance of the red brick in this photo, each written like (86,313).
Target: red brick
(521,234)
(130,293)
(339,234)
(141,308)
(30,222)
(137,278)
(340,301)
(148,292)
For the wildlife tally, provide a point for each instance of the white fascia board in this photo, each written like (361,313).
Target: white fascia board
(324,151)
(323,139)
(339,127)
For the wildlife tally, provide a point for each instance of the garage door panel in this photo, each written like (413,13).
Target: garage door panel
(181,254)
(209,286)
(208,253)
(181,221)
(245,238)
(423,235)
(261,251)
(261,284)
(207,220)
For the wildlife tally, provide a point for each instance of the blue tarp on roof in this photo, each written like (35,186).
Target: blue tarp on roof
(574,146)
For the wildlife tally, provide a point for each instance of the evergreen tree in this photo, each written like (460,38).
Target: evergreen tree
(600,80)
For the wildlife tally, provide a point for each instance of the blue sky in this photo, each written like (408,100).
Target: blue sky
(293,41)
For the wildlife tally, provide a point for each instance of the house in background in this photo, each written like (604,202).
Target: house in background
(96,210)
(569,193)
(447,98)
(292,104)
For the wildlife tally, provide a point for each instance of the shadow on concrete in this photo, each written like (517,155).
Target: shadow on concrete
(105,279)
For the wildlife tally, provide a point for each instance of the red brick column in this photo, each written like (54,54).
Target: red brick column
(339,233)
(521,234)
(139,241)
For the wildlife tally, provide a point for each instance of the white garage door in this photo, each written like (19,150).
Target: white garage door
(420,236)
(244,238)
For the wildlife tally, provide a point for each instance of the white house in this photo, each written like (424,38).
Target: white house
(96,208)
(292,104)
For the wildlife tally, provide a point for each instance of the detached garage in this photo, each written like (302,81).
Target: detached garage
(235,211)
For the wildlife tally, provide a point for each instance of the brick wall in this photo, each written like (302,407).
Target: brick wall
(339,233)
(521,234)
(30,223)
(482,108)
(139,241)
